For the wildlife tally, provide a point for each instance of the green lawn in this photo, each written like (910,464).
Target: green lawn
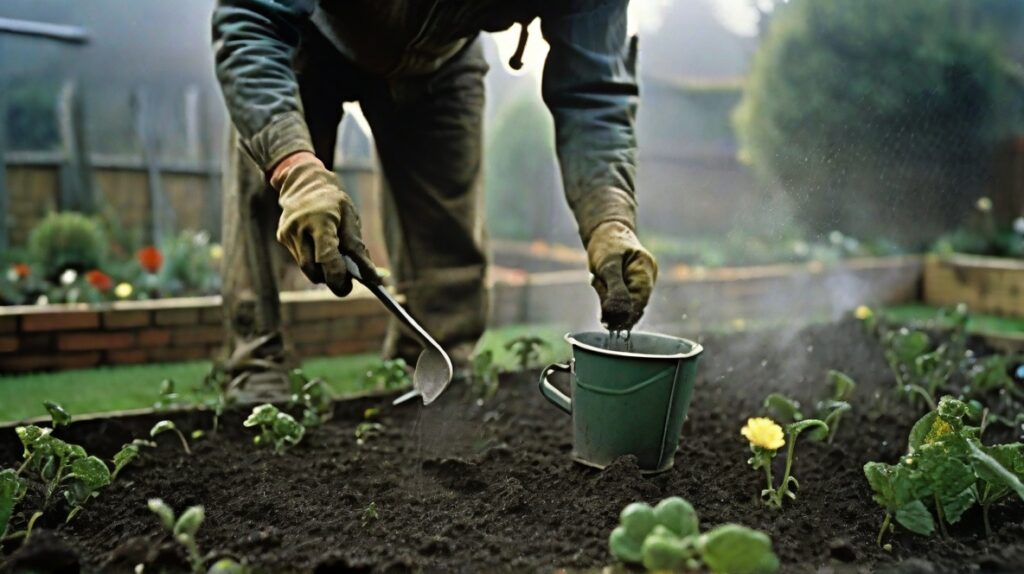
(131,387)
(920,313)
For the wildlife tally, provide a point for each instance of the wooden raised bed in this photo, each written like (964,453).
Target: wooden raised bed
(993,285)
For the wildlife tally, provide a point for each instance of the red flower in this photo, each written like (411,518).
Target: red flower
(150,258)
(22,270)
(100,280)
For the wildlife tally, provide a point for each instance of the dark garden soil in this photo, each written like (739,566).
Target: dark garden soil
(459,487)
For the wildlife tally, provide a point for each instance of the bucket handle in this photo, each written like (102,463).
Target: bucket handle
(647,382)
(550,392)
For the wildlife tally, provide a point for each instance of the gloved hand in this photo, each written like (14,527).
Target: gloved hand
(624,274)
(319,223)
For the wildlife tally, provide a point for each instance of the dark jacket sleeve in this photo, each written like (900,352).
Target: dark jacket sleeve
(590,87)
(254,43)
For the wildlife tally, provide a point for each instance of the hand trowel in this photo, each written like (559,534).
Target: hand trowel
(433,369)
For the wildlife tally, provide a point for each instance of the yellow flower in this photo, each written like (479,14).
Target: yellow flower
(216,252)
(863,312)
(764,432)
(123,290)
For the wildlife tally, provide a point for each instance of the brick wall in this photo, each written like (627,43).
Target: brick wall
(76,336)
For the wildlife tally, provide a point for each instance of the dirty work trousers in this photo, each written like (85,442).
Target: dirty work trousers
(428,135)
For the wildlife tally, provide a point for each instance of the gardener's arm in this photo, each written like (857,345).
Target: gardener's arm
(254,43)
(591,89)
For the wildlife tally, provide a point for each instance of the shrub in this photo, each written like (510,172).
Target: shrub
(67,241)
(852,105)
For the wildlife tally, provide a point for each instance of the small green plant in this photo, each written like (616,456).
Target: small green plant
(12,490)
(370,513)
(276,428)
(169,397)
(314,396)
(168,426)
(766,438)
(58,415)
(390,374)
(923,371)
(61,465)
(184,529)
(527,350)
(124,456)
(67,240)
(667,538)
(946,471)
(830,409)
(483,383)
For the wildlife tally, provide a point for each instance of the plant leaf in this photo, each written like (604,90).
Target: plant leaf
(677,515)
(58,415)
(624,547)
(782,408)
(915,518)
(92,472)
(163,512)
(736,549)
(11,491)
(638,519)
(842,385)
(127,453)
(988,463)
(189,521)
(161,427)
(794,429)
(262,415)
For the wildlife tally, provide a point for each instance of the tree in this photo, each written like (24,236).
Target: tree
(878,116)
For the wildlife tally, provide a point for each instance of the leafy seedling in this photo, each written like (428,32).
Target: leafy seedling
(124,456)
(12,490)
(667,538)
(314,396)
(483,383)
(370,513)
(366,430)
(277,429)
(58,415)
(390,374)
(766,437)
(782,408)
(168,426)
(831,410)
(183,529)
(526,350)
(947,469)
(59,464)
(168,398)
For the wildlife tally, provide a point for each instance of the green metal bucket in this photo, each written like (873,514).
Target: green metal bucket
(626,401)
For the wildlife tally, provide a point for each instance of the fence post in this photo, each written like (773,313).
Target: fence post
(200,139)
(161,215)
(76,188)
(4,207)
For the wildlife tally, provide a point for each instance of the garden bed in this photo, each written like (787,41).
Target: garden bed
(457,487)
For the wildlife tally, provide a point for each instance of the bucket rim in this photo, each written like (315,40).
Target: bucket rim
(695,347)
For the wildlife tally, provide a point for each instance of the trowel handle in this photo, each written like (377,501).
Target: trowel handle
(550,392)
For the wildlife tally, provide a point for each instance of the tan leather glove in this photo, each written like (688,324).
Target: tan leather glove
(319,223)
(623,274)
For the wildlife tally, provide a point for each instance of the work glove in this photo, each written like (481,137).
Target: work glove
(623,274)
(319,224)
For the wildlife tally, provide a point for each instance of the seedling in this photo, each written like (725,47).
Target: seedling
(276,428)
(184,529)
(370,513)
(483,382)
(58,415)
(314,396)
(667,538)
(527,350)
(12,490)
(168,426)
(169,397)
(830,410)
(766,438)
(920,370)
(390,374)
(60,464)
(124,456)
(947,468)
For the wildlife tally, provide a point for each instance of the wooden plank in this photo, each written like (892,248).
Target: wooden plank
(992,285)
(161,216)
(76,172)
